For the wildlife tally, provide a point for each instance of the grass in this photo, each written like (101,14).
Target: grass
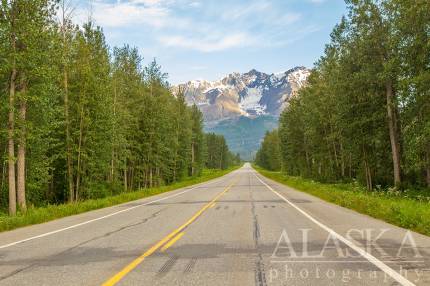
(407,209)
(51,212)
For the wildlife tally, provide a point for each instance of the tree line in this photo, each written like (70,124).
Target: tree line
(80,120)
(218,154)
(365,113)
(269,156)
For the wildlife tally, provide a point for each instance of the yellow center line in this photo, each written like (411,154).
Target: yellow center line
(117,277)
(212,205)
(172,241)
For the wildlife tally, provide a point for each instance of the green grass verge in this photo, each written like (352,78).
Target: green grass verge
(51,212)
(405,209)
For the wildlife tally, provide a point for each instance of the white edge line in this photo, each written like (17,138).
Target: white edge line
(103,217)
(372,259)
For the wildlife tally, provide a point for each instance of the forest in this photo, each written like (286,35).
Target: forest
(81,120)
(365,113)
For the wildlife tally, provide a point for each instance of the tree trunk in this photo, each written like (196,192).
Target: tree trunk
(175,167)
(131,185)
(158,176)
(11,144)
(367,171)
(112,171)
(150,177)
(428,170)
(68,143)
(192,159)
(369,177)
(78,175)
(21,155)
(3,176)
(125,178)
(69,162)
(428,177)
(342,161)
(308,163)
(394,132)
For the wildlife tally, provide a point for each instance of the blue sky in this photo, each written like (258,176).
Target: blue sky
(207,39)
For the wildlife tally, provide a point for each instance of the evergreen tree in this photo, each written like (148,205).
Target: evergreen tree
(364,113)
(269,156)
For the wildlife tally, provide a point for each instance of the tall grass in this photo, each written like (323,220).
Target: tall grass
(409,209)
(51,212)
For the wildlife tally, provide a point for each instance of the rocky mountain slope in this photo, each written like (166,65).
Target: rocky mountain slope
(250,94)
(242,107)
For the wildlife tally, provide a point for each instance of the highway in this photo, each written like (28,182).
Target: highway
(240,229)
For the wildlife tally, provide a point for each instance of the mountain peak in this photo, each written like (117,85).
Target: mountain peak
(250,94)
(253,72)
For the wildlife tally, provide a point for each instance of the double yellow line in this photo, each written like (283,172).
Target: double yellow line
(166,242)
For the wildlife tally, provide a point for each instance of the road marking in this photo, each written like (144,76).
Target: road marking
(117,277)
(212,205)
(372,259)
(172,241)
(102,217)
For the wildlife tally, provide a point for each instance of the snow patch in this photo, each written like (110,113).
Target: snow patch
(250,103)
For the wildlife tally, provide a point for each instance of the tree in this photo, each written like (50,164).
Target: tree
(366,102)
(268,156)
(79,122)
(25,25)
(218,153)
(198,150)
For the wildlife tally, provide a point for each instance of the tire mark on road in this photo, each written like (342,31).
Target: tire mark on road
(167,266)
(189,267)
(260,275)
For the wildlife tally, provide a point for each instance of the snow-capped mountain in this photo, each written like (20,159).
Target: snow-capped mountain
(251,94)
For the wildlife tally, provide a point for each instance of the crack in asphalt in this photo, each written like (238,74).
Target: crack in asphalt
(260,275)
(43,260)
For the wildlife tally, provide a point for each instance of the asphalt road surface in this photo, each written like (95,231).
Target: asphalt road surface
(240,229)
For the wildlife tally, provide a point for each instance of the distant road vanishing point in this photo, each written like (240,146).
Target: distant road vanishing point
(240,229)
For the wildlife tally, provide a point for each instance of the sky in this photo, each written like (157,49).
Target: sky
(208,39)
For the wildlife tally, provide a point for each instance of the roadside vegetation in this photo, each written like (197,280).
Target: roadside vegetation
(365,113)
(35,215)
(409,209)
(80,120)
(358,134)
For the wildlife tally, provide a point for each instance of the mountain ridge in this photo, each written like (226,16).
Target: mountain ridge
(249,94)
(243,106)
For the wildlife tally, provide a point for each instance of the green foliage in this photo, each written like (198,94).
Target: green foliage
(269,155)
(98,122)
(198,144)
(218,154)
(365,111)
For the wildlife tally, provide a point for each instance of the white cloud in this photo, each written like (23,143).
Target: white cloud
(149,3)
(125,14)
(153,13)
(195,4)
(288,18)
(193,25)
(208,44)
(254,8)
